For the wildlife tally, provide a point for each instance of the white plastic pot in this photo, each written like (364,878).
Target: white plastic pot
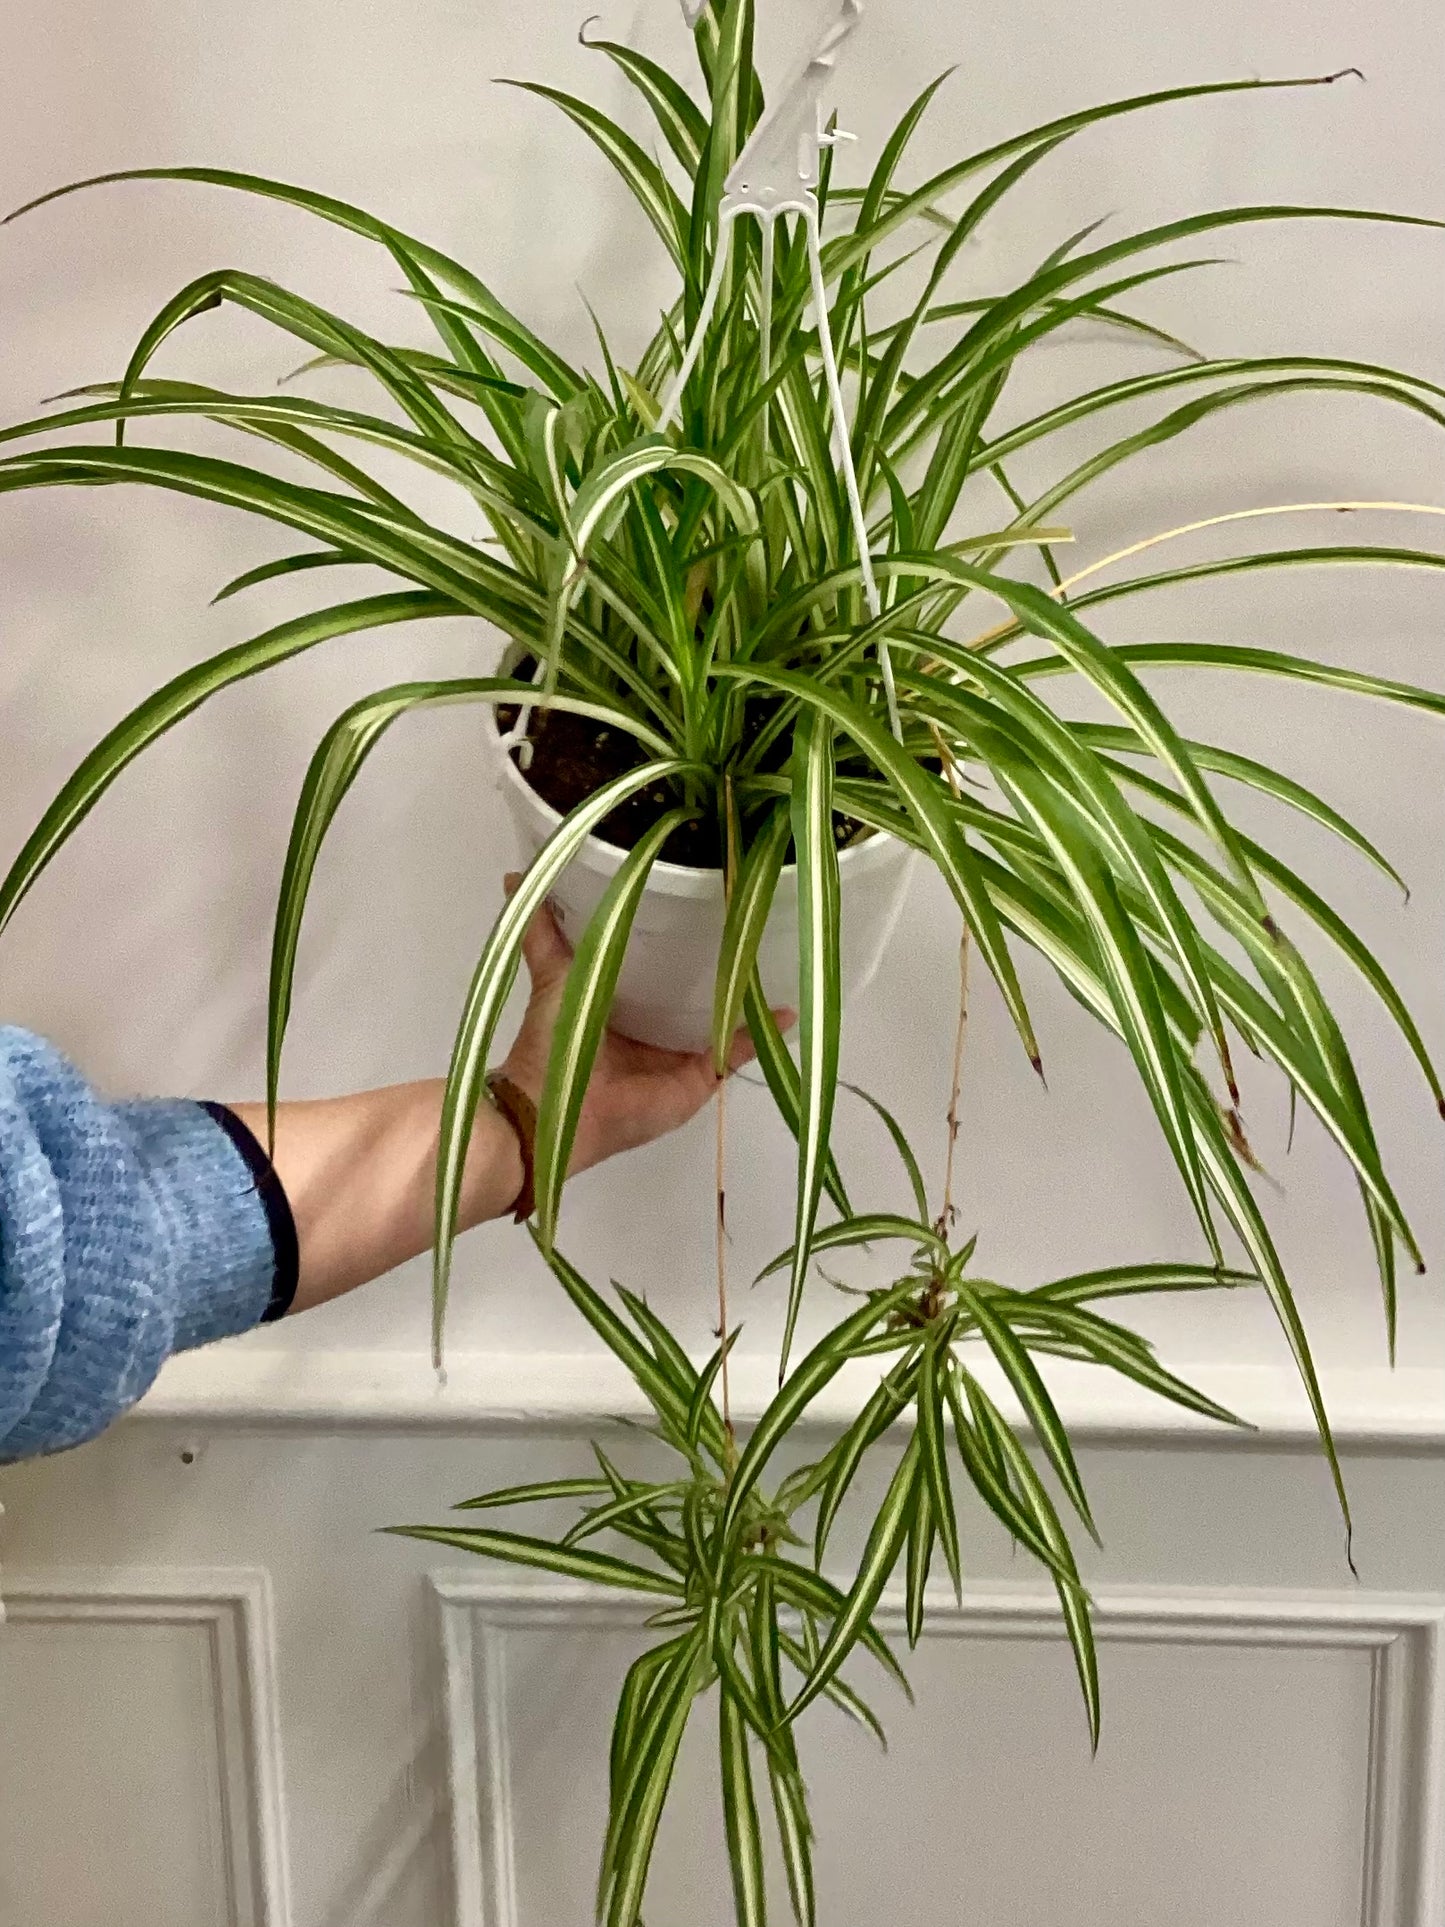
(665,992)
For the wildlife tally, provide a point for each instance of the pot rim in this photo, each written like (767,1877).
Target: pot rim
(681,879)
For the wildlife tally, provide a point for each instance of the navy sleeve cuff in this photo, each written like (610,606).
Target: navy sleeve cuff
(275,1203)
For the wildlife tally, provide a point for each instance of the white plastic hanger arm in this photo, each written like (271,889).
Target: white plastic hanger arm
(777,173)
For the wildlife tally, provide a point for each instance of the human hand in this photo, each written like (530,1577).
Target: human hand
(637,1092)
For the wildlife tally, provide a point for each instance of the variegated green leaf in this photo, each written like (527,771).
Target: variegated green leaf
(820,997)
(928,808)
(740,1814)
(644,178)
(880,1555)
(747,915)
(1031,1392)
(843,1697)
(900,1144)
(931,1373)
(627,1859)
(1073,1599)
(544,1555)
(818,1597)
(491,982)
(534,1494)
(177,699)
(874,1227)
(780,1073)
(844,1458)
(582,1020)
(821,1365)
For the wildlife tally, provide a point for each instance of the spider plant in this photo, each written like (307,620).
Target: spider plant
(701,590)
(742,1603)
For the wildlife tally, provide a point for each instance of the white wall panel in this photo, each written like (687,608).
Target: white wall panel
(1272,1731)
(140,1772)
(1271,1760)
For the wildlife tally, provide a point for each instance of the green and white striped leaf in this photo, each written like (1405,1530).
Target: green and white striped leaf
(1268,662)
(1073,1599)
(820,997)
(491,982)
(798,1391)
(988,1473)
(844,1458)
(918,1560)
(583,1017)
(601,490)
(534,1494)
(900,1144)
(702,1392)
(333,769)
(740,1813)
(544,1555)
(410,252)
(1257,776)
(644,178)
(843,1697)
(872,1227)
(283,565)
(1093,792)
(927,806)
(1238,1203)
(1119,1281)
(617,1512)
(817,1596)
(1031,1392)
(880,1555)
(795,1836)
(678,117)
(1083,1335)
(1321,913)
(642,1677)
(658,1386)
(1127,969)
(628,1855)
(933,1366)
(177,699)
(747,916)
(780,1074)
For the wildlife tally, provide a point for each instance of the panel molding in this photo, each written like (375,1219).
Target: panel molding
(1403,1877)
(233,1607)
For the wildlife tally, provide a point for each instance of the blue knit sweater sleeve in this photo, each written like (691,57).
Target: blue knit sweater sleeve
(127,1232)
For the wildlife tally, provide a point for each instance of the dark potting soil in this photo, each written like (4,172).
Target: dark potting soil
(573,756)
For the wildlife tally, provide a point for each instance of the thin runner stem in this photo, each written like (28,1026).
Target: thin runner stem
(960,1036)
(722,1249)
(720,1154)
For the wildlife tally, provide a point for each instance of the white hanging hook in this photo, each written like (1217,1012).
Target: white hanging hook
(782,159)
(778,172)
(672,400)
(516,737)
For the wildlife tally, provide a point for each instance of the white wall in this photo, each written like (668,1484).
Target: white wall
(144,951)
(222,1697)
(225,1699)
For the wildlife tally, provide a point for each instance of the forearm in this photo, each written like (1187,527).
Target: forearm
(360,1176)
